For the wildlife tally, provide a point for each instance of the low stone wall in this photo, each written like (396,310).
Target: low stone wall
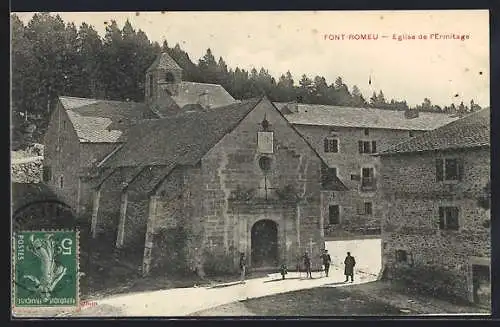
(27,171)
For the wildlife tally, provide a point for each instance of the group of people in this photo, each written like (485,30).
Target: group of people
(349,263)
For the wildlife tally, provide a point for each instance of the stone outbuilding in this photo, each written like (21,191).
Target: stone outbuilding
(436,224)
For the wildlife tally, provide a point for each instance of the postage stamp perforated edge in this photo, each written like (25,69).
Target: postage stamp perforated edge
(20,309)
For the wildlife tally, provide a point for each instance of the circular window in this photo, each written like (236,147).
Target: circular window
(265,163)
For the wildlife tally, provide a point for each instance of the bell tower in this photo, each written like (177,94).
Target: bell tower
(164,75)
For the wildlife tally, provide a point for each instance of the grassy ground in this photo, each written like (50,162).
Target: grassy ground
(377,298)
(312,302)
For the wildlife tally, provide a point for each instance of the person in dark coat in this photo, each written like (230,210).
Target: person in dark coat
(349,263)
(307,265)
(243,266)
(326,261)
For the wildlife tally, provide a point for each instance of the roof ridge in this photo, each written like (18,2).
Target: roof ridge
(190,82)
(425,135)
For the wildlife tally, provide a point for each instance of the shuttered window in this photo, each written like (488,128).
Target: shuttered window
(331,145)
(334,215)
(448,218)
(450,169)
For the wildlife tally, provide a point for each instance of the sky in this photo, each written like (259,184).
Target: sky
(310,42)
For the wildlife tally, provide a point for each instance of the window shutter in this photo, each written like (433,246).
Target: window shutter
(360,145)
(326,145)
(374,146)
(455,220)
(460,169)
(441,218)
(439,170)
(359,208)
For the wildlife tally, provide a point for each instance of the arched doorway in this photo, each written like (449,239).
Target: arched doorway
(264,243)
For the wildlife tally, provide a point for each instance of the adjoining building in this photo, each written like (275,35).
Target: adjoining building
(435,227)
(346,138)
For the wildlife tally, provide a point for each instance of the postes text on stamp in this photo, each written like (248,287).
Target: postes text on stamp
(46,269)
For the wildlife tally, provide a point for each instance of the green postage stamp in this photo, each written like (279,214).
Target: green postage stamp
(46,265)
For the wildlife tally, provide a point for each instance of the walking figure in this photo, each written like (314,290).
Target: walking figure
(283,271)
(243,266)
(307,264)
(326,261)
(349,263)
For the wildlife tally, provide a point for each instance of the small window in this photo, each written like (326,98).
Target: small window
(367,132)
(265,163)
(449,169)
(368,208)
(448,218)
(367,146)
(334,215)
(64,125)
(151,85)
(47,173)
(331,145)
(61,181)
(411,133)
(401,256)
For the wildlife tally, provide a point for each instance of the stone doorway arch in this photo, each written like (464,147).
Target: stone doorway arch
(264,244)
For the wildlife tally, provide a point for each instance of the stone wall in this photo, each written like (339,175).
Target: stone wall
(412,200)
(62,155)
(349,161)
(27,171)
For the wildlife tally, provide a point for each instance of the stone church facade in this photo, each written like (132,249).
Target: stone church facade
(248,183)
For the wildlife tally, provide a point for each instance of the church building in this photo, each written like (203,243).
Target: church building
(231,180)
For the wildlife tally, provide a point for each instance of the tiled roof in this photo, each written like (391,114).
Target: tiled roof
(182,139)
(472,130)
(326,115)
(190,92)
(164,61)
(97,121)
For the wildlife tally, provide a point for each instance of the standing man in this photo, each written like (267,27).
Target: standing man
(243,266)
(349,263)
(307,264)
(326,261)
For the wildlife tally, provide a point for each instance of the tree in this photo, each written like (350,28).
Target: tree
(208,67)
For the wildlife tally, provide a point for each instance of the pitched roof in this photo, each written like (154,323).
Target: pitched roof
(164,61)
(326,115)
(470,131)
(97,121)
(182,139)
(190,93)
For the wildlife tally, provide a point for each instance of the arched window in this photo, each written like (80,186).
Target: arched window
(151,85)
(169,77)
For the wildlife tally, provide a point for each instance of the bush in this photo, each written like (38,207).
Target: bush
(218,264)
(430,280)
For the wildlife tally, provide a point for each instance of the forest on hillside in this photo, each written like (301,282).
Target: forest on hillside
(52,58)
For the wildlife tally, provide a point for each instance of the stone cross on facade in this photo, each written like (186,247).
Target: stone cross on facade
(266,188)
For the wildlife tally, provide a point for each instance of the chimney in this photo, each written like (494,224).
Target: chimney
(411,113)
